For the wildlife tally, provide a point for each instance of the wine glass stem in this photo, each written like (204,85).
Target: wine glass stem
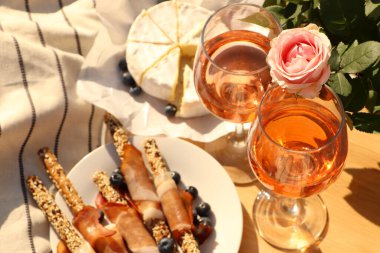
(239,138)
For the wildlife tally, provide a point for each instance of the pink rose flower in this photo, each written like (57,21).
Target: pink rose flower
(298,59)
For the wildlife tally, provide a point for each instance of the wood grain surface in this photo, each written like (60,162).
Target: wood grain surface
(353,203)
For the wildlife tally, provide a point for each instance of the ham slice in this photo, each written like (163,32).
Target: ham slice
(173,207)
(140,185)
(131,228)
(99,237)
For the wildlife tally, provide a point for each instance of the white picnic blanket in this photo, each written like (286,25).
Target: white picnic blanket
(43,45)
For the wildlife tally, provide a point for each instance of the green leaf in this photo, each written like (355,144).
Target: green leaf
(257,19)
(340,84)
(341,48)
(290,10)
(298,1)
(357,100)
(334,60)
(341,16)
(270,3)
(278,12)
(366,122)
(371,101)
(372,10)
(357,59)
(316,4)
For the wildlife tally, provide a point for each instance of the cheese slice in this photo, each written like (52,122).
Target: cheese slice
(153,54)
(165,16)
(145,30)
(157,84)
(190,106)
(191,20)
(158,58)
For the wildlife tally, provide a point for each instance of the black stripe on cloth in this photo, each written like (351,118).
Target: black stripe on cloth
(27,8)
(66,103)
(21,152)
(90,121)
(76,34)
(1,131)
(60,72)
(79,48)
(39,31)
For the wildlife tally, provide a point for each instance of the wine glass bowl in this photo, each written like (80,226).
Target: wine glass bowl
(296,148)
(231,75)
(230,69)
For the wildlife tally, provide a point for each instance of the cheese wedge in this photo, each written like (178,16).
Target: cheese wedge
(190,106)
(160,49)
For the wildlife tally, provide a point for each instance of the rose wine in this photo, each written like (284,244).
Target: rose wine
(234,76)
(300,152)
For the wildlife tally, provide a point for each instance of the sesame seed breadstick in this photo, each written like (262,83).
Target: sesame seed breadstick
(155,159)
(63,184)
(57,219)
(159,228)
(119,135)
(101,179)
(159,168)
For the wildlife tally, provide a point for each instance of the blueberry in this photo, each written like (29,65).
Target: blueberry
(195,217)
(170,110)
(123,66)
(135,91)
(193,191)
(203,229)
(166,245)
(101,218)
(117,179)
(205,222)
(203,209)
(128,80)
(176,176)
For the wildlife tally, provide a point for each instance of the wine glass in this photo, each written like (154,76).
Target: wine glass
(296,147)
(231,74)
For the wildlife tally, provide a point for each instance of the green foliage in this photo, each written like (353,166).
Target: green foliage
(353,27)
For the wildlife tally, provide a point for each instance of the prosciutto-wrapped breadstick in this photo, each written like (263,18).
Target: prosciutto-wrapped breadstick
(174,209)
(57,219)
(128,221)
(86,218)
(138,179)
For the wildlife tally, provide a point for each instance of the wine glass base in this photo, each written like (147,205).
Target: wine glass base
(290,224)
(232,154)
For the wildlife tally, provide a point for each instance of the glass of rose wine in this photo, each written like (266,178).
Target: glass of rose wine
(231,75)
(296,147)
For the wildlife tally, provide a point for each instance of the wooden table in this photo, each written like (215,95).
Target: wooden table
(353,202)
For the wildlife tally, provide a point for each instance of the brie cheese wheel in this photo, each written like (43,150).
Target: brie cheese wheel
(160,49)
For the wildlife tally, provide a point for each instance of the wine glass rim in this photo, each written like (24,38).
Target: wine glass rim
(312,150)
(208,56)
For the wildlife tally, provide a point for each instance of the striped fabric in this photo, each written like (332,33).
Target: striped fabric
(42,47)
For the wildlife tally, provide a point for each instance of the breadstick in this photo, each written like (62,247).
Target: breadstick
(86,218)
(158,227)
(61,182)
(179,221)
(65,230)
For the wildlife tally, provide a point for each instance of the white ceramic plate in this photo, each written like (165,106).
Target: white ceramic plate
(196,167)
